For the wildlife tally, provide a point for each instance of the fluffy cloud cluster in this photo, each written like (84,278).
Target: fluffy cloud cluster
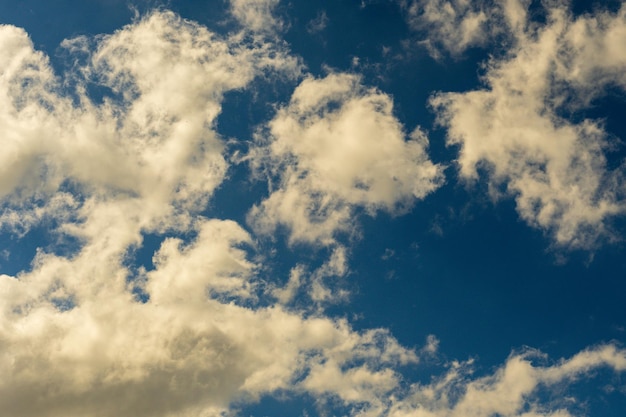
(336,147)
(150,145)
(87,334)
(514,128)
(75,342)
(126,143)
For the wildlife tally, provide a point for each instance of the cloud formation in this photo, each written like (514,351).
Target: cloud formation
(452,26)
(256,15)
(127,143)
(513,390)
(334,148)
(89,333)
(515,128)
(151,143)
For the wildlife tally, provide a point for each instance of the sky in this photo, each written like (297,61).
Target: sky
(267,208)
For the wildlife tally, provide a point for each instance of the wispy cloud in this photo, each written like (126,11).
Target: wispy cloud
(514,390)
(317,24)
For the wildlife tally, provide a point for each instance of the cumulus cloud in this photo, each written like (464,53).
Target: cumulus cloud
(336,147)
(516,127)
(150,144)
(87,334)
(102,353)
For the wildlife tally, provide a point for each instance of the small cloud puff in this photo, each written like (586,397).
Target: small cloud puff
(256,15)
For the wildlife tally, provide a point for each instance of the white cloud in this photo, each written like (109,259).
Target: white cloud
(321,286)
(287,293)
(75,341)
(256,15)
(555,168)
(336,267)
(210,266)
(513,390)
(337,146)
(154,149)
(18,221)
(452,25)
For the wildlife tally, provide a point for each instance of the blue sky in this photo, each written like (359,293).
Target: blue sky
(269,208)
